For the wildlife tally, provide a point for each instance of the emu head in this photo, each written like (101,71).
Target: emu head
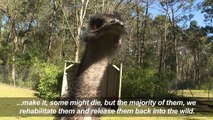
(104,33)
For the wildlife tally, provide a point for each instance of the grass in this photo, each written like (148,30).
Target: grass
(10,91)
(194,93)
(9,105)
(158,118)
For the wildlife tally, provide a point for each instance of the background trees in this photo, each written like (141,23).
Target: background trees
(163,50)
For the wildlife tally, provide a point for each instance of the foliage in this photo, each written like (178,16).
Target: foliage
(168,50)
(50,80)
(144,83)
(208,10)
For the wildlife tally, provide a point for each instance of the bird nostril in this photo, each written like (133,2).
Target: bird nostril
(113,21)
(117,21)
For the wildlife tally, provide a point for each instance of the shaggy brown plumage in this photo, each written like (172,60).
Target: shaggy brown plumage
(102,38)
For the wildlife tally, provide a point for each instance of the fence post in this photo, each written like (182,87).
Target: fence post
(64,82)
(120,80)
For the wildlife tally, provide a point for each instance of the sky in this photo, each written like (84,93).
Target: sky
(198,16)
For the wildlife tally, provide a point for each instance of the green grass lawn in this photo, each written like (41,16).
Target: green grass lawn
(7,91)
(10,91)
(194,93)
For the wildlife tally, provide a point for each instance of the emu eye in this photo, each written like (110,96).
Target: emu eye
(96,24)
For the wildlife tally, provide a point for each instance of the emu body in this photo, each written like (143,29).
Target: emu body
(103,39)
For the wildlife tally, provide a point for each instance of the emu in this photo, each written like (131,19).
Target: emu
(103,40)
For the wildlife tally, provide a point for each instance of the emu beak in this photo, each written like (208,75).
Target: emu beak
(116,21)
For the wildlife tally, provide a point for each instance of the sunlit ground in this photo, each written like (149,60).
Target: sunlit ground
(10,91)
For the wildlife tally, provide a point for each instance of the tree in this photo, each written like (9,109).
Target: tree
(207,8)
(77,16)
(196,54)
(19,20)
(172,8)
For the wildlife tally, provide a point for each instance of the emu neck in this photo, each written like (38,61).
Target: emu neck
(90,74)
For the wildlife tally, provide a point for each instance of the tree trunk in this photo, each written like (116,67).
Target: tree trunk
(176,61)
(165,36)
(144,34)
(163,45)
(0,29)
(77,53)
(138,39)
(103,4)
(49,46)
(13,68)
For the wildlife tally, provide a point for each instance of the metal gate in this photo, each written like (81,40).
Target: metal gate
(111,80)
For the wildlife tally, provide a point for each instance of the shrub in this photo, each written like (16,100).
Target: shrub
(50,82)
(49,79)
(144,83)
